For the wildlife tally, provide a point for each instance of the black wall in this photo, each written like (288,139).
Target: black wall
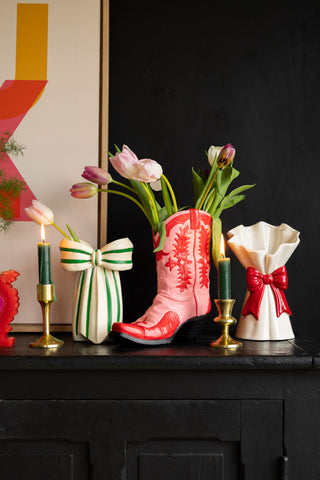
(184,76)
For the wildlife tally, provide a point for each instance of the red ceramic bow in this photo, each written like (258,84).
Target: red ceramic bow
(256,282)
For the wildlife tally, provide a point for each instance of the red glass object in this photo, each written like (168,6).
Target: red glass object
(9,305)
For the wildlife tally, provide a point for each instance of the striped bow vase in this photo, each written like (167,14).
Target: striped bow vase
(97,301)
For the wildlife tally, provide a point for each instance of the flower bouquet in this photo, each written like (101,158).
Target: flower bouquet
(181,235)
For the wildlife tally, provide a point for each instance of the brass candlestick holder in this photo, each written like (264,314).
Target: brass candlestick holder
(45,296)
(225,320)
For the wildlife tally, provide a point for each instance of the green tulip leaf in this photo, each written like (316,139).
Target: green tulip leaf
(163,235)
(158,206)
(216,238)
(230,202)
(209,200)
(218,194)
(166,197)
(238,190)
(147,205)
(228,174)
(208,185)
(73,235)
(224,178)
(232,199)
(163,214)
(198,185)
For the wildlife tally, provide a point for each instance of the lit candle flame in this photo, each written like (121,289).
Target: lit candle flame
(43,237)
(222,246)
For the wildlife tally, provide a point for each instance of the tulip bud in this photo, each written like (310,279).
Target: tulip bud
(226,155)
(97,175)
(129,166)
(83,190)
(147,171)
(213,152)
(125,162)
(40,213)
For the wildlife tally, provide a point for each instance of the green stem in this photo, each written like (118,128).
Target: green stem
(207,190)
(209,200)
(175,206)
(61,231)
(124,186)
(127,196)
(214,204)
(153,203)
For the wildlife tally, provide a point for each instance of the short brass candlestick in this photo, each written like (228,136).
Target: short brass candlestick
(225,320)
(45,295)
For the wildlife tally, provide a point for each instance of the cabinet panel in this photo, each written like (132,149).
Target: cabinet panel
(181,466)
(183,460)
(172,439)
(43,460)
(261,438)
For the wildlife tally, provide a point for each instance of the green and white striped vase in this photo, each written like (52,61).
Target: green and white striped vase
(97,300)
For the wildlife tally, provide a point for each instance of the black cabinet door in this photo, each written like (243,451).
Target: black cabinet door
(44,459)
(141,439)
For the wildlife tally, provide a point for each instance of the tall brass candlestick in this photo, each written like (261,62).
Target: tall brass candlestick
(45,294)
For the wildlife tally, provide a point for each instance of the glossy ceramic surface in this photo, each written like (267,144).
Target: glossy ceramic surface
(265,247)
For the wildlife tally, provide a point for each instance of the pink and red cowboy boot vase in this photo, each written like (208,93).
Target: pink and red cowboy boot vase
(183,267)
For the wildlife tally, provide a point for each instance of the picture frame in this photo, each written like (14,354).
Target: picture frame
(56,152)
(104,122)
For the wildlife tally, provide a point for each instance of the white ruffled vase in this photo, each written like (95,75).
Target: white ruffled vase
(263,250)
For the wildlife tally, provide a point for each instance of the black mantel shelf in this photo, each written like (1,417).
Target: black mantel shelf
(288,354)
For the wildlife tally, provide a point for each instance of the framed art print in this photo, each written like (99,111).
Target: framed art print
(53,101)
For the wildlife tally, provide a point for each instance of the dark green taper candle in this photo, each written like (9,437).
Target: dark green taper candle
(44,261)
(224,276)
(224,285)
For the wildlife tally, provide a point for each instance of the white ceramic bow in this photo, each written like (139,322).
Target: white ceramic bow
(76,256)
(97,301)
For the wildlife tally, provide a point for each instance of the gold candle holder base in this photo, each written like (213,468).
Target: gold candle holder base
(47,341)
(45,296)
(225,320)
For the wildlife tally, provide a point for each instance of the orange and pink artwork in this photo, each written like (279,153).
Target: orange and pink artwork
(18,96)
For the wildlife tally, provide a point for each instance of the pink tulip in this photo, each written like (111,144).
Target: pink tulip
(39,213)
(83,190)
(127,164)
(226,155)
(97,175)
(148,171)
